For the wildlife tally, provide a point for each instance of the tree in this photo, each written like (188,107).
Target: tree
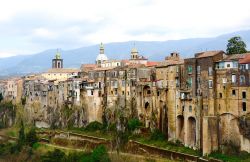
(236,45)
(31,137)
(1,97)
(21,137)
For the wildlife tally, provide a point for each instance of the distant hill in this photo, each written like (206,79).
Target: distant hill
(154,50)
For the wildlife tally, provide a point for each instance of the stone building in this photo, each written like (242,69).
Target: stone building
(232,104)
(57,72)
(167,90)
(201,101)
(197,96)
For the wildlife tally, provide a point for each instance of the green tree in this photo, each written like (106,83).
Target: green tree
(133,124)
(31,137)
(1,97)
(100,154)
(21,137)
(236,45)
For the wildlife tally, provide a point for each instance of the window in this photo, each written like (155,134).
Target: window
(189,83)
(123,92)
(235,64)
(228,65)
(244,106)
(123,83)
(244,95)
(243,66)
(210,71)
(190,69)
(220,94)
(198,69)
(92,92)
(148,92)
(128,93)
(158,93)
(177,82)
(233,78)
(210,84)
(221,65)
(242,79)
(190,108)
(233,92)
(224,80)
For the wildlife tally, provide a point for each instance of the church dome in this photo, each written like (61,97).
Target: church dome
(101,57)
(134,50)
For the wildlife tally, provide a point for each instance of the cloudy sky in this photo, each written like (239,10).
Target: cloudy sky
(30,26)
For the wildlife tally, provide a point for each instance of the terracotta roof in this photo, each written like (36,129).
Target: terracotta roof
(125,61)
(246,59)
(88,66)
(235,57)
(151,63)
(171,62)
(208,54)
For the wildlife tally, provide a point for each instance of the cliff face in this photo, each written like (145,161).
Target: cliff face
(7,114)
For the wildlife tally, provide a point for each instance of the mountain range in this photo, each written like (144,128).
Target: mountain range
(153,50)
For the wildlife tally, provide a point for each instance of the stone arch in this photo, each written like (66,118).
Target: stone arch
(146,91)
(146,106)
(59,64)
(229,130)
(180,128)
(191,131)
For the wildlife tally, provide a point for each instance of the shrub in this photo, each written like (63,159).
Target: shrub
(94,126)
(35,146)
(31,137)
(5,149)
(54,156)
(134,124)
(100,154)
(157,135)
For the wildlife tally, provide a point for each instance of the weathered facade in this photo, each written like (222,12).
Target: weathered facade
(201,101)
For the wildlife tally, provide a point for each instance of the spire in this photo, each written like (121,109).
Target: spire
(134,50)
(101,48)
(58,55)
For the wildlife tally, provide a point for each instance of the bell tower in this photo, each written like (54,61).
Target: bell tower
(57,62)
(134,53)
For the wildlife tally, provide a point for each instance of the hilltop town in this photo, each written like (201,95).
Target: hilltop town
(202,102)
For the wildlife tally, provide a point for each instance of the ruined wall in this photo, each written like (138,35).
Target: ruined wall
(210,134)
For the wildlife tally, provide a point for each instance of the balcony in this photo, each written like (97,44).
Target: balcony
(185,96)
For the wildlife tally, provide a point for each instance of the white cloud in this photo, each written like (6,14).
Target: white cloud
(49,23)
(44,33)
